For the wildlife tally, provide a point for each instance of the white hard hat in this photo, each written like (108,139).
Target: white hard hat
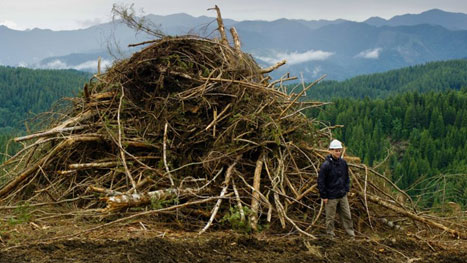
(335,144)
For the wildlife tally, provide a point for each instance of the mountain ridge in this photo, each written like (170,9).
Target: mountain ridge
(340,48)
(449,20)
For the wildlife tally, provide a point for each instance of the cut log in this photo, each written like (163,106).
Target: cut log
(221,27)
(273,67)
(120,201)
(236,39)
(411,215)
(255,195)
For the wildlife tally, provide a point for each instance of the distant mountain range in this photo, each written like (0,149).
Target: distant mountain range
(339,48)
(451,21)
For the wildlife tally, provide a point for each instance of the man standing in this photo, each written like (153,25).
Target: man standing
(333,185)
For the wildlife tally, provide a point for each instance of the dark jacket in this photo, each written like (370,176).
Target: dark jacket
(333,178)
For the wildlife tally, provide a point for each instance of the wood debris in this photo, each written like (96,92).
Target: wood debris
(188,119)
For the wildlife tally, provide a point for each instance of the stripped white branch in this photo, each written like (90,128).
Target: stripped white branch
(122,153)
(165,155)
(224,190)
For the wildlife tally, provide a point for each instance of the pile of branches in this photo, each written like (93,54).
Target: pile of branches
(191,124)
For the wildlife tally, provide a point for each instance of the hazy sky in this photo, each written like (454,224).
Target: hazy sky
(73,14)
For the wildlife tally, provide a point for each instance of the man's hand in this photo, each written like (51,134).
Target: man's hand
(325,200)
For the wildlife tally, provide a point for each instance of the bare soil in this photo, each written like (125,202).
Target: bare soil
(146,242)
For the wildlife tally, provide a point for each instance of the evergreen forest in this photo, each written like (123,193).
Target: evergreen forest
(24,93)
(410,123)
(433,76)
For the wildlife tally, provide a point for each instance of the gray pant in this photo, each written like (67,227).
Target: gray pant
(343,209)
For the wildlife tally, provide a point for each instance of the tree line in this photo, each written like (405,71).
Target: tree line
(434,76)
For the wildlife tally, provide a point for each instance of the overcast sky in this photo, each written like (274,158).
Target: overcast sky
(74,14)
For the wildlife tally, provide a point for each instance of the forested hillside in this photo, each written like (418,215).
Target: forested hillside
(26,92)
(418,139)
(435,76)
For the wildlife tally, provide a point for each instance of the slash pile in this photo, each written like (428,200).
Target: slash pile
(186,123)
(173,120)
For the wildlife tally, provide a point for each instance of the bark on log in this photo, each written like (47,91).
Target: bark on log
(236,39)
(221,27)
(273,67)
(118,202)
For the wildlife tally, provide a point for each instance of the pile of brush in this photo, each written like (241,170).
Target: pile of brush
(186,122)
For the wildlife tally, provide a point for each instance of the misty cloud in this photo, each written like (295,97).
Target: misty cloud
(370,53)
(296,57)
(90,65)
(56,64)
(310,73)
(89,22)
(316,70)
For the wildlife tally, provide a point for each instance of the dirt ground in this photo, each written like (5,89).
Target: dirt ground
(142,241)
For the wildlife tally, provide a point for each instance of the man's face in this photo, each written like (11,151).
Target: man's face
(336,153)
